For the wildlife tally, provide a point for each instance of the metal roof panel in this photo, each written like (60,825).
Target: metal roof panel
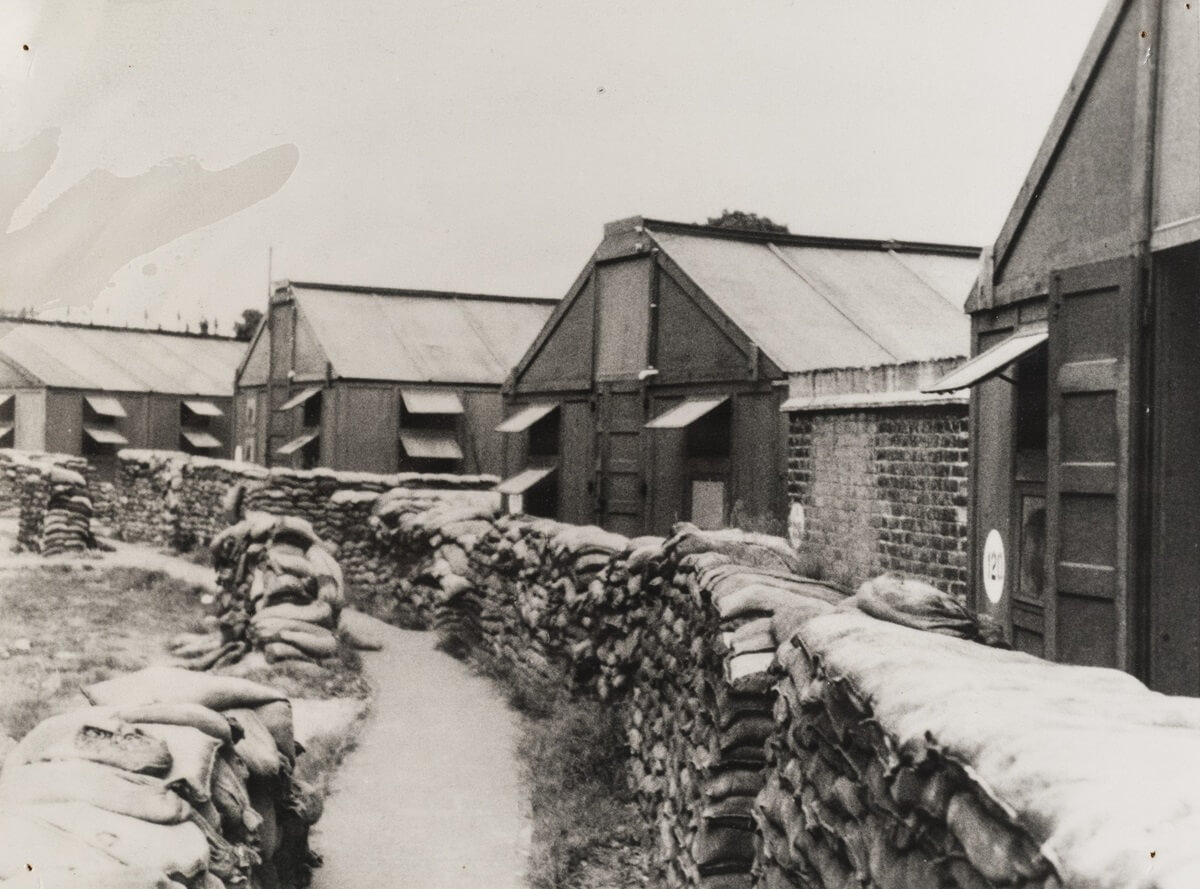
(816,307)
(115,360)
(418,338)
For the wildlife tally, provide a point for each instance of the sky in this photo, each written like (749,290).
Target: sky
(164,159)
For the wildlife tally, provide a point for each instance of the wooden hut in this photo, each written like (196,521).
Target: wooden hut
(1084,525)
(655,391)
(91,390)
(381,380)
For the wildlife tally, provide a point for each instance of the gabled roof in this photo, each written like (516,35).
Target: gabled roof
(418,335)
(112,359)
(1118,170)
(813,303)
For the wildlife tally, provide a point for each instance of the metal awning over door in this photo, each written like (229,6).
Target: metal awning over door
(990,362)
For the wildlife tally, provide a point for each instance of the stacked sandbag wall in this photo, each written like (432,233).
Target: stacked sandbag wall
(53,500)
(174,499)
(171,779)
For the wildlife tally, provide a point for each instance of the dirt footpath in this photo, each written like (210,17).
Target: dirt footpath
(431,797)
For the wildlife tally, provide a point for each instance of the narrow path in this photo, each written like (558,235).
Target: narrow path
(431,797)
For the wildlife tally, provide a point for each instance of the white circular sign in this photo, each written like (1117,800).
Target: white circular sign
(993,567)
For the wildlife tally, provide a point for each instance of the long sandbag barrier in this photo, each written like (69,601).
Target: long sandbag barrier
(282,593)
(171,779)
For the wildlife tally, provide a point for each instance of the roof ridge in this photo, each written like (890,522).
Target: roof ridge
(800,240)
(421,293)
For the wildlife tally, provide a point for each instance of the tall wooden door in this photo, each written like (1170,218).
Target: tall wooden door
(1093,449)
(619,480)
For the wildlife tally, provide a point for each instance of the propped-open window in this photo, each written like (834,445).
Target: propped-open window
(195,426)
(707,423)
(534,490)
(430,421)
(101,438)
(307,445)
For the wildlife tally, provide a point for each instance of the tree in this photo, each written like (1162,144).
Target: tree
(244,329)
(746,222)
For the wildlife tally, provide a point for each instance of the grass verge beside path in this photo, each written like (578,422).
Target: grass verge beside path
(587,833)
(69,624)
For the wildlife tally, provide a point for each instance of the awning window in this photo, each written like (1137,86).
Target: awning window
(105,405)
(296,443)
(5,430)
(991,362)
(432,444)
(204,409)
(103,435)
(201,440)
(5,398)
(300,398)
(426,401)
(526,417)
(686,414)
(523,481)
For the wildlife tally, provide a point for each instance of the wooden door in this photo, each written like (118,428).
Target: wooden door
(619,480)
(1092,450)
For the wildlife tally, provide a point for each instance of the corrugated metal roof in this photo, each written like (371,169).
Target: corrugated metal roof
(116,360)
(827,306)
(421,337)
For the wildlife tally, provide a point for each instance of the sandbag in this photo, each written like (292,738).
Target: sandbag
(743,547)
(138,796)
(294,530)
(111,877)
(317,643)
(231,799)
(27,839)
(257,746)
(170,685)
(199,717)
(126,748)
(275,652)
(96,737)
(174,849)
(319,613)
(913,603)
(277,718)
(192,755)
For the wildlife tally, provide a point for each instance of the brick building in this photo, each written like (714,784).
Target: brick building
(877,475)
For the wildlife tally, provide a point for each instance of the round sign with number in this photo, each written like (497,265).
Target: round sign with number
(993,567)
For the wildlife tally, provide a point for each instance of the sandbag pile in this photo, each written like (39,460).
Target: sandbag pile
(682,628)
(67,521)
(533,574)
(172,779)
(427,543)
(281,593)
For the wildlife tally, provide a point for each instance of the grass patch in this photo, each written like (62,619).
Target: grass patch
(586,830)
(69,624)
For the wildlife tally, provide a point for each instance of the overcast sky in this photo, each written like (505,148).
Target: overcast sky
(157,148)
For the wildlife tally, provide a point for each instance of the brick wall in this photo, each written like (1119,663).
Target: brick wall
(883,490)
